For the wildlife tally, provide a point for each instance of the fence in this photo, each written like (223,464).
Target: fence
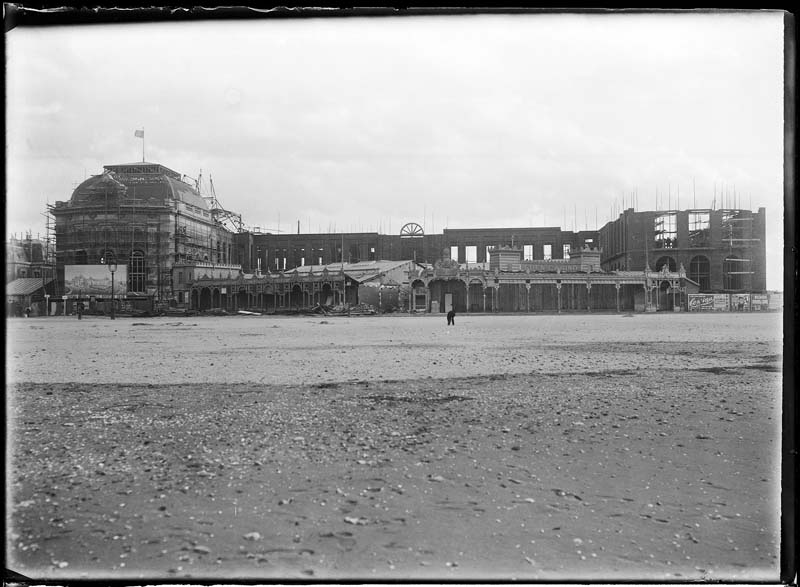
(736,302)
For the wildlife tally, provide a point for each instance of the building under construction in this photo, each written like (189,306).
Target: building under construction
(147,218)
(721,250)
(182,249)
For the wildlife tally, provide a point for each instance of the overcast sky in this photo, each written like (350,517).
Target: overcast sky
(447,121)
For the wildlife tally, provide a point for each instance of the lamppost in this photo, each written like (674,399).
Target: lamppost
(112,266)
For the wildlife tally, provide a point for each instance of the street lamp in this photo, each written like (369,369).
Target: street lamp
(112,266)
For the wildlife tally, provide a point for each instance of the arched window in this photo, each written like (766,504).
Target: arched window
(137,272)
(668,261)
(700,271)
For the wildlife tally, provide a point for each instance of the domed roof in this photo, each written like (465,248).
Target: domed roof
(142,181)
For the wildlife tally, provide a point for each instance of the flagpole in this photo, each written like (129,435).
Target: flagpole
(143,145)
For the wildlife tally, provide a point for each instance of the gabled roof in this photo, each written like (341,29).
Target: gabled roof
(25,286)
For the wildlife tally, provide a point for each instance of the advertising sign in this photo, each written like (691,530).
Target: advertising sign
(759,302)
(701,302)
(775,301)
(740,302)
(721,302)
(94,280)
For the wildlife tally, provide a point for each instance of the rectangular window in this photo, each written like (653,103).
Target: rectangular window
(472,254)
(566,252)
(180,297)
(699,228)
(319,260)
(665,227)
(180,276)
(372,253)
(548,252)
(527,251)
(454,253)
(488,248)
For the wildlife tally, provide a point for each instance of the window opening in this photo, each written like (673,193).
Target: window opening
(699,229)
(472,253)
(527,252)
(665,227)
(548,252)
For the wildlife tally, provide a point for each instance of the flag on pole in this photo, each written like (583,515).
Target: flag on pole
(139,134)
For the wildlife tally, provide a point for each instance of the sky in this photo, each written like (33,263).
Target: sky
(457,121)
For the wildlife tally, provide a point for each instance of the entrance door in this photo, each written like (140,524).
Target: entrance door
(448,302)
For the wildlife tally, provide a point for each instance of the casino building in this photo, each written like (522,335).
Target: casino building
(181,249)
(149,219)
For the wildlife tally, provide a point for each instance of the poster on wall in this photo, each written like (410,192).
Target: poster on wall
(759,302)
(94,280)
(721,302)
(701,302)
(740,302)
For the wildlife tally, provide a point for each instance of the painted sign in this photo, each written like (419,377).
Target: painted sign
(740,302)
(701,302)
(775,301)
(759,302)
(722,302)
(88,280)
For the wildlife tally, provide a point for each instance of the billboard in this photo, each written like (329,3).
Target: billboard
(94,280)
(701,302)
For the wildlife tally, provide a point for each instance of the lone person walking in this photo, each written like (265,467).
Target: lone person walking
(451,317)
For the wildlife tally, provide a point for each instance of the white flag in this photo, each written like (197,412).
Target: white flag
(139,133)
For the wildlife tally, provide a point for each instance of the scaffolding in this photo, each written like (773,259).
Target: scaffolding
(737,232)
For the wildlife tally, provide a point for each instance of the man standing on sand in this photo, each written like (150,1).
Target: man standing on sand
(451,317)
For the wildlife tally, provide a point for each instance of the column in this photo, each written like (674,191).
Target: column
(588,296)
(617,286)
(528,296)
(484,299)
(558,297)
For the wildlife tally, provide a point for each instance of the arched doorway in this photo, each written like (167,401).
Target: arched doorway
(296,297)
(665,298)
(241,299)
(205,299)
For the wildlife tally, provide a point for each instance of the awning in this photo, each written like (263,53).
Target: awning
(25,286)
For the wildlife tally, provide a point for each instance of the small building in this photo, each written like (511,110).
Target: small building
(29,292)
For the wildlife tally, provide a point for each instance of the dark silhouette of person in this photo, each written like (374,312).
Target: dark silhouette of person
(451,318)
(80,310)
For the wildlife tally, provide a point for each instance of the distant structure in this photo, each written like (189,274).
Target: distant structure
(182,249)
(30,274)
(147,218)
(722,251)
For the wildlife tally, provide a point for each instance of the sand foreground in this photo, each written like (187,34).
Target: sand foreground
(574,447)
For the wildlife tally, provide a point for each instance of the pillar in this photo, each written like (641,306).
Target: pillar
(558,297)
(528,297)
(484,299)
(588,296)
(617,286)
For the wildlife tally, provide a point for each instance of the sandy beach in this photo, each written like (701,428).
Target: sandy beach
(526,447)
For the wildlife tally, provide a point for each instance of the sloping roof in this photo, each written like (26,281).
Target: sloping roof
(363,271)
(25,286)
